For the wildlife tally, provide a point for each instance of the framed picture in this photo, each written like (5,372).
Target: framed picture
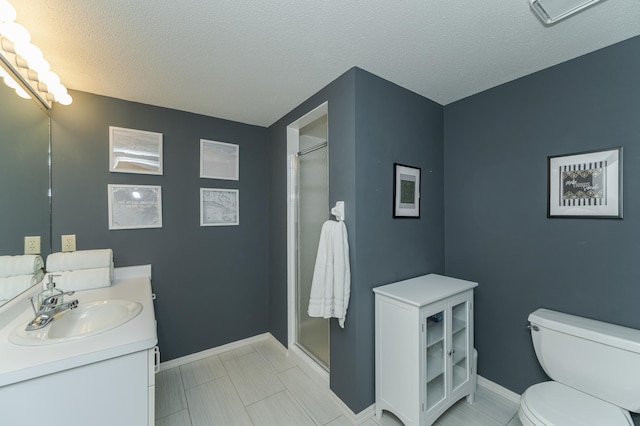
(219,207)
(135,206)
(219,160)
(585,184)
(135,151)
(406,191)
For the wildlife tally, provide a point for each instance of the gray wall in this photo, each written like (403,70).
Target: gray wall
(24,168)
(372,124)
(497,232)
(211,282)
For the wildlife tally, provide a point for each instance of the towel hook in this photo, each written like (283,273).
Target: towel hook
(338,211)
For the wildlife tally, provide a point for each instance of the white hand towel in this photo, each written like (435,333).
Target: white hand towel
(331,283)
(12,286)
(20,265)
(82,279)
(82,259)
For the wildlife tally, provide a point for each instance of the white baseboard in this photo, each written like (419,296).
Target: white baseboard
(308,365)
(213,351)
(496,388)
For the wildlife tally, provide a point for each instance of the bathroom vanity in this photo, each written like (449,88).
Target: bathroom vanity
(107,378)
(425,360)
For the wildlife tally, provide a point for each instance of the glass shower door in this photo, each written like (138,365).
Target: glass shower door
(313,211)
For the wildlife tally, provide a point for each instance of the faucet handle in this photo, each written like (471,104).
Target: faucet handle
(52,301)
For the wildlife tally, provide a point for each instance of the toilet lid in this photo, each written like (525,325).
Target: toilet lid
(552,403)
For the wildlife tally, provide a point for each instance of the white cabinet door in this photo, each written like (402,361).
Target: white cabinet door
(435,356)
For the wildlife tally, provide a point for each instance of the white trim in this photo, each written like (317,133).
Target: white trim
(213,351)
(309,365)
(356,419)
(497,389)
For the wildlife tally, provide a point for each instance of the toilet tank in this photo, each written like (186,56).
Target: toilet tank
(595,357)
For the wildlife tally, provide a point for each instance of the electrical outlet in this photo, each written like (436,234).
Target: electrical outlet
(32,245)
(68,243)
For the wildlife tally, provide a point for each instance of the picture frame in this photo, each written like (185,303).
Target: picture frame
(585,184)
(135,151)
(134,206)
(406,191)
(219,160)
(219,207)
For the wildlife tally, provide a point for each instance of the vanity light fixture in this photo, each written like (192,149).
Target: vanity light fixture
(22,65)
(551,11)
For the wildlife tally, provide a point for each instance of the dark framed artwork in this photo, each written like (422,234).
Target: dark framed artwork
(585,184)
(406,191)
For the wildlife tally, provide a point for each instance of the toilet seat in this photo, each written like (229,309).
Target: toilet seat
(555,404)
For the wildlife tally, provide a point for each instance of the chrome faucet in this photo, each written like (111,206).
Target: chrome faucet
(49,309)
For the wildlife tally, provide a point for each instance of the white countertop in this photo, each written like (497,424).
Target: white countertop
(420,291)
(19,363)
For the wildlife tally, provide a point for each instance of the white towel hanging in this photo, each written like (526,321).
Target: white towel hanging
(331,283)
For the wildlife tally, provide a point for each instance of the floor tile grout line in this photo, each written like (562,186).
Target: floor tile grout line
(184,394)
(235,389)
(293,395)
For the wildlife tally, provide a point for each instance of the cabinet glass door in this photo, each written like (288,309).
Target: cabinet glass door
(436,359)
(459,345)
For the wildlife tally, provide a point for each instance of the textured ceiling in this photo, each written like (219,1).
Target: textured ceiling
(254,61)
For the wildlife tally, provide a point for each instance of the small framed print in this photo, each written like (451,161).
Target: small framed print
(585,184)
(219,160)
(135,206)
(406,191)
(219,207)
(135,151)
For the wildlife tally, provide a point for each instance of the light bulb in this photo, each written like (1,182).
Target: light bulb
(10,82)
(58,90)
(7,11)
(50,78)
(65,99)
(15,32)
(40,65)
(29,52)
(22,93)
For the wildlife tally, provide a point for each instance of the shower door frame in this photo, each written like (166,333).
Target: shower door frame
(293,138)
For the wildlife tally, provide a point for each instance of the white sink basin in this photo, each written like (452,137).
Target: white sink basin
(88,319)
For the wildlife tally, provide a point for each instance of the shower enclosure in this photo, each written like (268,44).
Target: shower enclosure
(310,198)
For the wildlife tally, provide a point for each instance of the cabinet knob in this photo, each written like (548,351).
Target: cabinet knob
(452,351)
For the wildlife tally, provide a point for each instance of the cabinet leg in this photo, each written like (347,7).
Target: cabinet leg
(378,412)
(471,398)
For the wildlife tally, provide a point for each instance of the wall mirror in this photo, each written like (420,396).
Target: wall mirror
(25,207)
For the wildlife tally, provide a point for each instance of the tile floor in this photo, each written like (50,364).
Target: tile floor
(258,384)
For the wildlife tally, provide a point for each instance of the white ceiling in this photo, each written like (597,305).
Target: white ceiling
(254,61)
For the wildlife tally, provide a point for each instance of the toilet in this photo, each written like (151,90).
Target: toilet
(595,372)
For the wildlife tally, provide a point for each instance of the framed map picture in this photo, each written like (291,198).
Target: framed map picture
(219,207)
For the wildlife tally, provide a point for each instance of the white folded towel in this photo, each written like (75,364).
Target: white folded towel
(12,286)
(25,264)
(81,279)
(331,283)
(82,259)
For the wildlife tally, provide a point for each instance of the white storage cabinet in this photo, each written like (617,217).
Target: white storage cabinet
(425,360)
